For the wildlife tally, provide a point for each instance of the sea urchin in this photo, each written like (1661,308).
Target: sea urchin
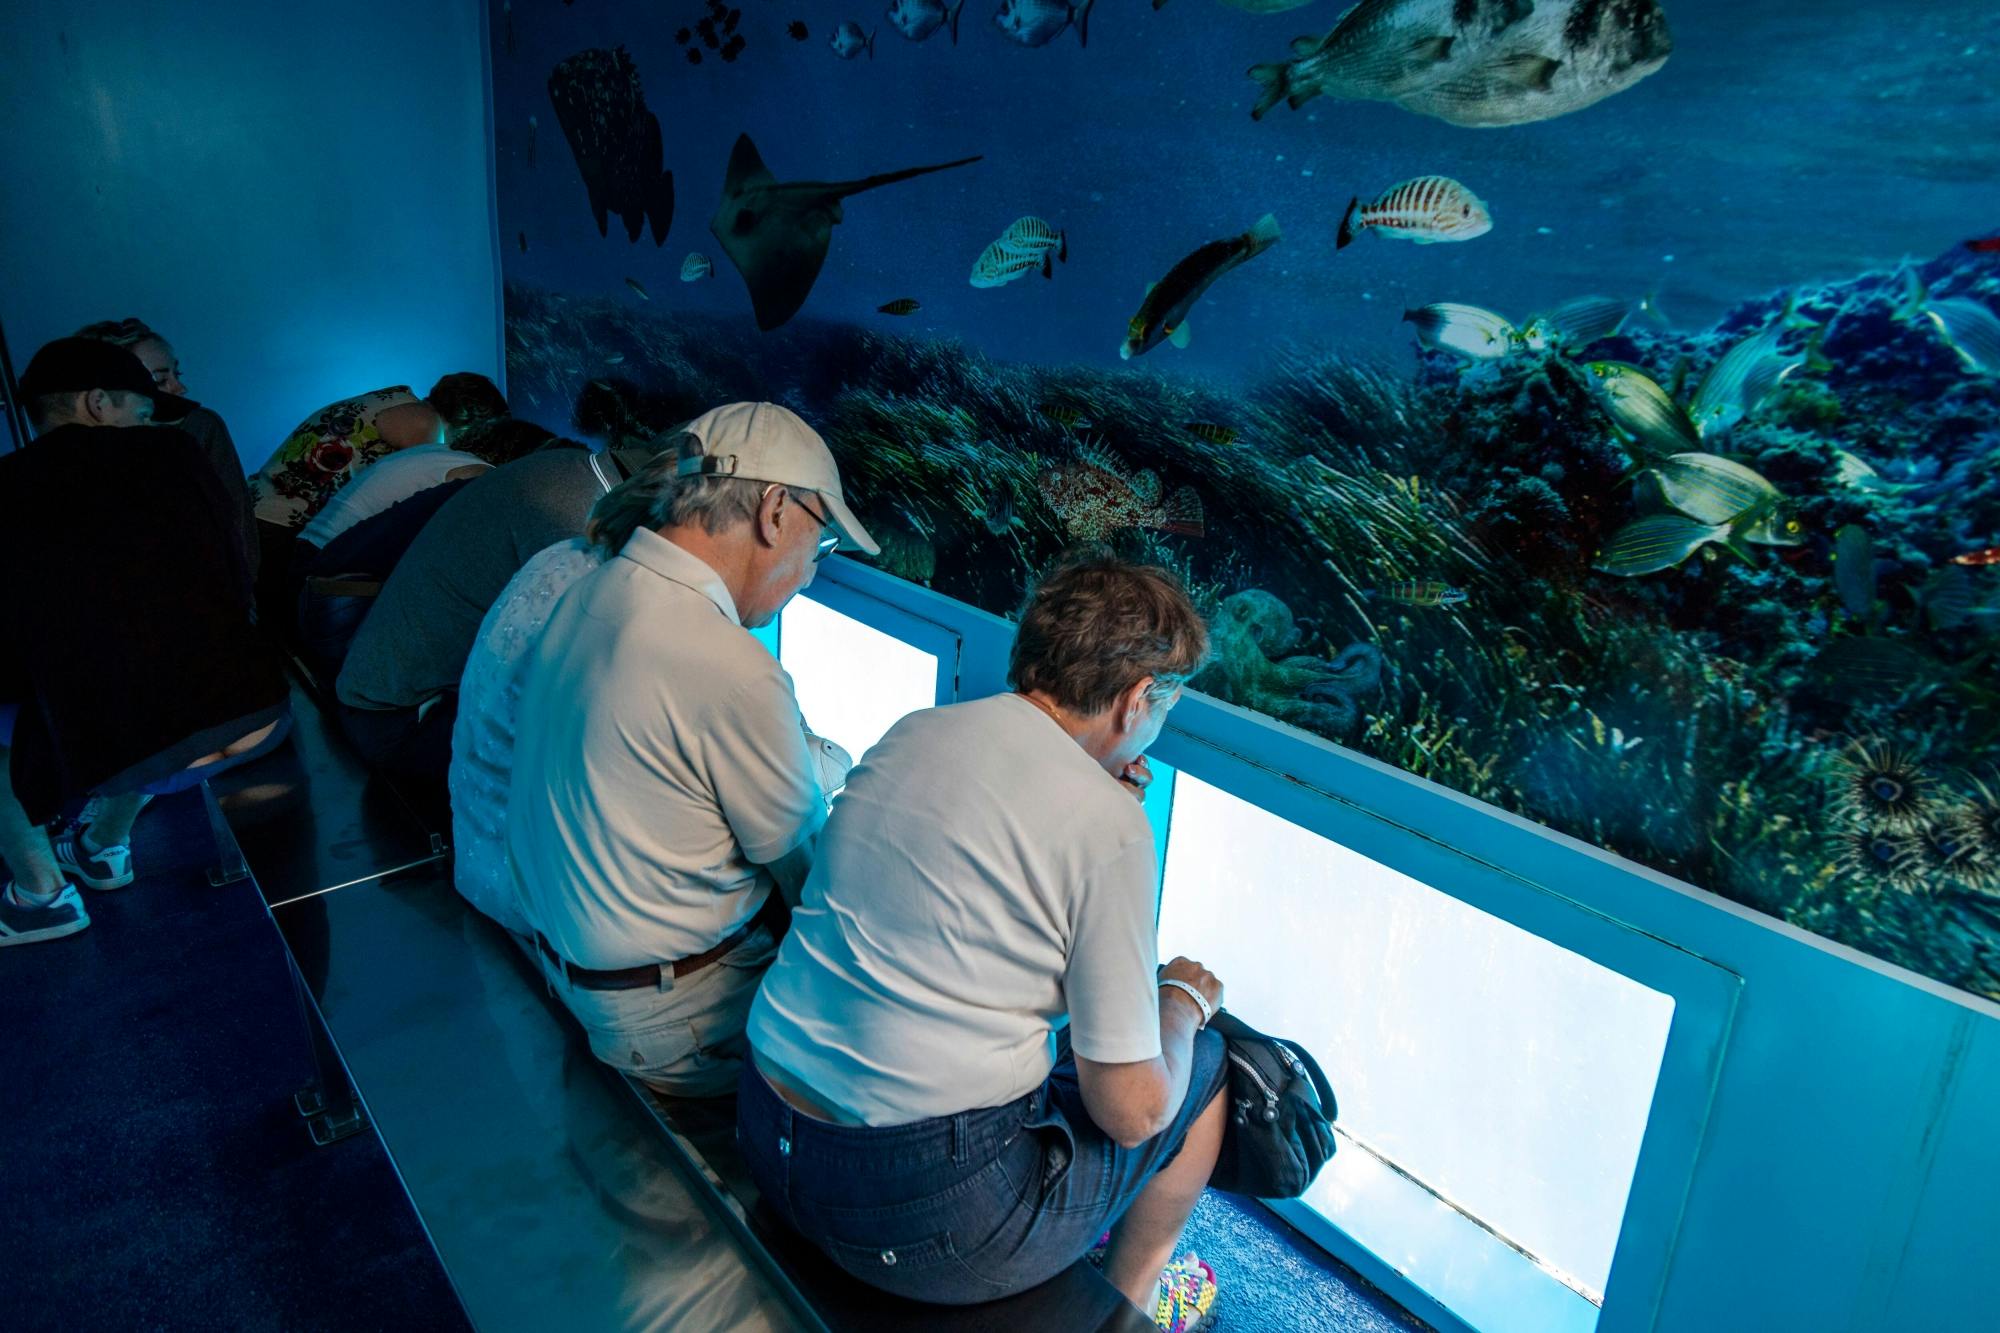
(1886,789)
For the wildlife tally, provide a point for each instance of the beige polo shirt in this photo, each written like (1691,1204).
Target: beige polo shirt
(660,762)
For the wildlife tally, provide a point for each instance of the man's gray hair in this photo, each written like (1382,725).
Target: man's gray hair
(656,496)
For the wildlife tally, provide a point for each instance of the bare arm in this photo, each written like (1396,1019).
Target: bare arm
(1133,1102)
(408,424)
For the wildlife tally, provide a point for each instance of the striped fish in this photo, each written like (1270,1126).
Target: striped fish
(1659,542)
(1971,330)
(1424,210)
(1711,489)
(696,267)
(1749,373)
(999,264)
(902,305)
(1641,408)
(1413,592)
(1576,323)
(1031,235)
(1212,432)
(1468,330)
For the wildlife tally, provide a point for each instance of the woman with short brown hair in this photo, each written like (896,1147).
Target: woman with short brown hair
(986,881)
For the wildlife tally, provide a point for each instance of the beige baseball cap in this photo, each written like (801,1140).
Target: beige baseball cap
(766,442)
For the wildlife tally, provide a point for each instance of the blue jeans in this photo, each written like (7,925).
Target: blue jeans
(963,1208)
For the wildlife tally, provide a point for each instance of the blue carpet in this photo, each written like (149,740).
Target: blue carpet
(1271,1278)
(156,1175)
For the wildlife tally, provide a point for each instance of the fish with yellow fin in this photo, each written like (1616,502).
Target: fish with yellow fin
(1639,407)
(1163,314)
(1419,592)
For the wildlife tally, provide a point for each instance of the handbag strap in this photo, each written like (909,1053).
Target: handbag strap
(1321,1087)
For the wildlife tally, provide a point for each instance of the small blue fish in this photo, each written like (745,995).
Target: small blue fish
(848,41)
(696,267)
(1039,22)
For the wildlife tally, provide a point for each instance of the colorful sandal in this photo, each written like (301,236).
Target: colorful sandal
(1187,1296)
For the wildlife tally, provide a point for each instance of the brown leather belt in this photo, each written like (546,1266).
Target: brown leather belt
(649,974)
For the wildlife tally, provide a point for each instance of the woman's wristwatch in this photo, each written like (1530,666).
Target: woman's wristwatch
(1207,1013)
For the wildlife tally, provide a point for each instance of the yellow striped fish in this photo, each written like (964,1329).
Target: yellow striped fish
(1710,489)
(1212,432)
(1638,406)
(1424,210)
(1411,592)
(1659,542)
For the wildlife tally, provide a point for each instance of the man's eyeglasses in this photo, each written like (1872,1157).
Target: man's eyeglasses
(829,542)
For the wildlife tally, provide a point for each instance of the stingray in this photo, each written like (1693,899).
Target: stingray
(615,139)
(776,233)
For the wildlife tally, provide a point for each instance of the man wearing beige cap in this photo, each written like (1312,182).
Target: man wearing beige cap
(663,783)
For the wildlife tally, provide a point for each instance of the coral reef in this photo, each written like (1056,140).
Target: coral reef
(1721,721)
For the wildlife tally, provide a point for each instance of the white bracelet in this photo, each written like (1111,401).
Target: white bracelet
(1207,1014)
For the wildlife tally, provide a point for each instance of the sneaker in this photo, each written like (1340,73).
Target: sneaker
(1187,1297)
(24,923)
(106,868)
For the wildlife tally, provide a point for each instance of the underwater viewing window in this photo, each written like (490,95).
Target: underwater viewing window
(1494,1087)
(855,680)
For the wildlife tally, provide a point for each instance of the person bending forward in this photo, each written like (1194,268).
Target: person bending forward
(986,876)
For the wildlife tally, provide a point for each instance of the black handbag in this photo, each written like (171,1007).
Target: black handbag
(1279,1130)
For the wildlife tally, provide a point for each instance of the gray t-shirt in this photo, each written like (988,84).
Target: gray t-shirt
(415,640)
(981,878)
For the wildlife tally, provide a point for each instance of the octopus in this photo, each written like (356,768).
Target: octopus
(1254,666)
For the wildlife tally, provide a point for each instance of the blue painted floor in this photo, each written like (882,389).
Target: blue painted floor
(156,1175)
(1270,1278)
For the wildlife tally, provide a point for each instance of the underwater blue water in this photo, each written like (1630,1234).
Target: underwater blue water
(1781,143)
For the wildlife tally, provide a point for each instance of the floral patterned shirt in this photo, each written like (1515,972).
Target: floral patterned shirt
(322,455)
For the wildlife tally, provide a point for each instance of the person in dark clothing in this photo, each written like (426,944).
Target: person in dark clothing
(164,565)
(339,583)
(205,425)
(398,688)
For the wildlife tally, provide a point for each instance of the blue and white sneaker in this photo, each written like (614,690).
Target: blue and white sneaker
(22,922)
(106,868)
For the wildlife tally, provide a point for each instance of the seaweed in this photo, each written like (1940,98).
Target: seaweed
(1709,720)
